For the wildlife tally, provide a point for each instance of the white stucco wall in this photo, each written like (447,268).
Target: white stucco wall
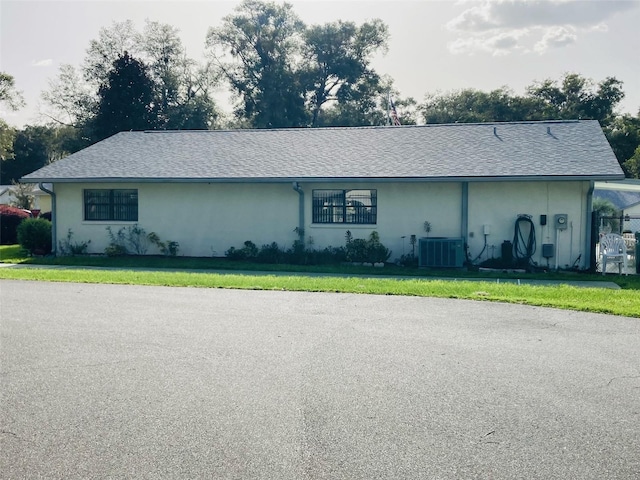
(499,204)
(402,210)
(206,219)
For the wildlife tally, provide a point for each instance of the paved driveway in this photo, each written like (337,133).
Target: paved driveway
(148,382)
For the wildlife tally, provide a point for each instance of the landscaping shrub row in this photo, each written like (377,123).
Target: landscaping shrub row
(356,250)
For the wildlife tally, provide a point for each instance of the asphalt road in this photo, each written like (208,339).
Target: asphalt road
(148,382)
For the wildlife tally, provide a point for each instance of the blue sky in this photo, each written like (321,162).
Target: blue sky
(435,46)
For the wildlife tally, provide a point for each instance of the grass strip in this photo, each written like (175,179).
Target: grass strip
(615,302)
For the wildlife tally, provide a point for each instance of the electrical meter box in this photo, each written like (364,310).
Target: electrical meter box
(561,221)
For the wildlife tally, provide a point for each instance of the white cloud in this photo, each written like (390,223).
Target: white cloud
(556,37)
(477,18)
(517,14)
(504,41)
(496,26)
(42,63)
(497,45)
(601,27)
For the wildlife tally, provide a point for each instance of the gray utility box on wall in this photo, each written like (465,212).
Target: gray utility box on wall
(561,221)
(441,252)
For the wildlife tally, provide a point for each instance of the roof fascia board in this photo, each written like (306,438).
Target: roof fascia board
(537,178)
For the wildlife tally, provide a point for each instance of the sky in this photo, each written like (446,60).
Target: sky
(435,46)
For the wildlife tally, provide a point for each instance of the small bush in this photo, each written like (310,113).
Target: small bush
(69,247)
(270,254)
(114,250)
(302,253)
(138,239)
(357,250)
(117,242)
(10,218)
(248,252)
(169,249)
(34,234)
(376,252)
(133,238)
(327,256)
(409,260)
(370,250)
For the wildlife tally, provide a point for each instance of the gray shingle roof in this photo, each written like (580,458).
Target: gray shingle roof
(495,150)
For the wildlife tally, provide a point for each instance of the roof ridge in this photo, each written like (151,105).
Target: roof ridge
(368,127)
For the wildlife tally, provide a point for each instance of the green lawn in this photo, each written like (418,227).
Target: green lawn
(419,282)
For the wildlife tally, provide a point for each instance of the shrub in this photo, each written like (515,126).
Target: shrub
(298,254)
(376,252)
(270,254)
(34,234)
(169,249)
(326,256)
(409,260)
(370,250)
(248,252)
(114,250)
(10,218)
(67,247)
(138,239)
(135,239)
(116,245)
(357,250)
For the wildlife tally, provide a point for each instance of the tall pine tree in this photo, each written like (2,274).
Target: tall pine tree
(125,100)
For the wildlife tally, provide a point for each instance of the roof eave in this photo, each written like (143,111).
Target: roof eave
(506,178)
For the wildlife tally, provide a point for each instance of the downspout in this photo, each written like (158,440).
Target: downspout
(54,241)
(298,189)
(464,222)
(590,242)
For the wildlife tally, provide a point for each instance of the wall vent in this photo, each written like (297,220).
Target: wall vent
(441,252)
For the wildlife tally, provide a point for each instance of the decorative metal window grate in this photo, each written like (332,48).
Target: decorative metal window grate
(115,204)
(345,206)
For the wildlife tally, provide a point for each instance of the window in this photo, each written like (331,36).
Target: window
(111,205)
(345,206)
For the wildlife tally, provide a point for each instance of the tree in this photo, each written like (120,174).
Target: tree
(9,96)
(126,100)
(623,133)
(472,106)
(23,195)
(367,104)
(7,136)
(13,99)
(35,147)
(632,165)
(104,51)
(576,97)
(181,87)
(262,41)
(338,57)
(71,99)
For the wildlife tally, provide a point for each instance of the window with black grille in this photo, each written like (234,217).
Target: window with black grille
(345,206)
(111,204)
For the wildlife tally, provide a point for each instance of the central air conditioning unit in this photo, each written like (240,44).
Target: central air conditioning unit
(441,252)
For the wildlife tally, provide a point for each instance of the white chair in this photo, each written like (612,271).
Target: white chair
(630,241)
(614,250)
